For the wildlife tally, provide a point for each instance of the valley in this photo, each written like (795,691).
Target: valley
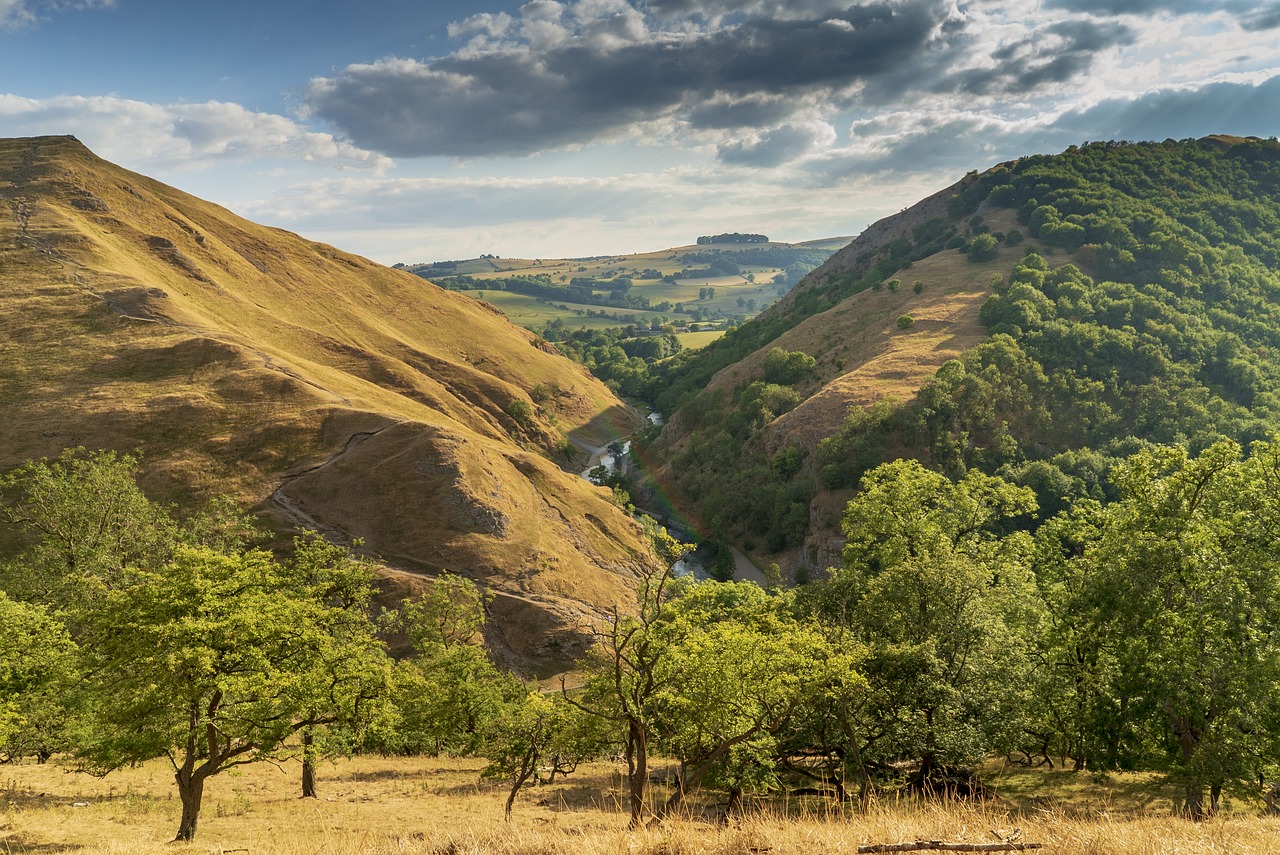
(988,497)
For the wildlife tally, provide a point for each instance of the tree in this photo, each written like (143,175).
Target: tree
(449,692)
(624,668)
(450,612)
(533,733)
(85,521)
(940,600)
(984,247)
(738,667)
(191,645)
(785,367)
(37,678)
(215,661)
(331,575)
(1186,607)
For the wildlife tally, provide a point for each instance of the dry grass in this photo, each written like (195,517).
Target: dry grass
(380,805)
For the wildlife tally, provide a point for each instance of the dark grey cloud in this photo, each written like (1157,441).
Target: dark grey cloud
(1262,18)
(1055,54)
(752,111)
(1219,108)
(774,147)
(511,100)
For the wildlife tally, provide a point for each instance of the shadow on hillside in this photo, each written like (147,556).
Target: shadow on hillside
(617,422)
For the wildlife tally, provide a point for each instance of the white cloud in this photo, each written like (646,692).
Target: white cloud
(15,14)
(169,135)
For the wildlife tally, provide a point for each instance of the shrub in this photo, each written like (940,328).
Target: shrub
(521,412)
(984,248)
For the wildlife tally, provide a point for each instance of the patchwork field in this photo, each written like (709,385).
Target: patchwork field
(738,295)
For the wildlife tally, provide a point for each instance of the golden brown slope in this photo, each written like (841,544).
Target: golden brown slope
(331,390)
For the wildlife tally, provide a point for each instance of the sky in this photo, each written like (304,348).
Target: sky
(426,130)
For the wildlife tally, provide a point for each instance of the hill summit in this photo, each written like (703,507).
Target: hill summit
(325,390)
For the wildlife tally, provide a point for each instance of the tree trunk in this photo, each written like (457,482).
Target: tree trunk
(637,769)
(191,792)
(735,802)
(1193,806)
(308,764)
(517,781)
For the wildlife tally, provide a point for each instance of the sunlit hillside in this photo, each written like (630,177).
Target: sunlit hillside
(325,390)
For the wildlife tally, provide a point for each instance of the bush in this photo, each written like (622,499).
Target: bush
(521,412)
(984,248)
(905,321)
(785,367)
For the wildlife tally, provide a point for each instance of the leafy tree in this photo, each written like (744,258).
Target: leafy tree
(785,367)
(449,692)
(939,598)
(192,647)
(85,522)
(738,668)
(333,576)
(984,247)
(215,661)
(37,680)
(1185,609)
(450,612)
(625,668)
(535,733)
(521,412)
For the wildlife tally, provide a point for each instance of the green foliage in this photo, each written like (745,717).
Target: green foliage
(210,656)
(38,678)
(449,613)
(939,597)
(85,523)
(535,732)
(521,412)
(1165,605)
(984,247)
(904,322)
(785,367)
(449,692)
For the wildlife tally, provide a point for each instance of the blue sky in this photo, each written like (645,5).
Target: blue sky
(435,129)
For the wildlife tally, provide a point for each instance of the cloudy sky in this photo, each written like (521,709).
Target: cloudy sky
(420,130)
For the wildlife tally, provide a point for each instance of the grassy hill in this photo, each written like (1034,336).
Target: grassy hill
(1038,321)
(323,389)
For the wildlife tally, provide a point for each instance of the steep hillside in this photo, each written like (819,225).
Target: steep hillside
(1037,320)
(322,388)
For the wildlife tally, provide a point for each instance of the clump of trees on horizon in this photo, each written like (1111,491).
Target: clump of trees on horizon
(732,237)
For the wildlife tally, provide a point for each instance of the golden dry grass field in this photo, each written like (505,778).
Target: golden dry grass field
(422,805)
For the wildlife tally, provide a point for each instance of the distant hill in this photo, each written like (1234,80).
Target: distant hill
(1038,320)
(323,389)
(650,288)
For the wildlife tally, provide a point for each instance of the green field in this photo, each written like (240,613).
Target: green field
(698,340)
(531,313)
(647,272)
